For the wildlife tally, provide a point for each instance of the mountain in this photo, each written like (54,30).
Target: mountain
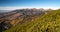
(16,17)
(49,22)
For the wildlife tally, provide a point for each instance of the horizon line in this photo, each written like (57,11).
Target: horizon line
(14,8)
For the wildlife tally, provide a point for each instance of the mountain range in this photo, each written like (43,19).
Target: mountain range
(30,20)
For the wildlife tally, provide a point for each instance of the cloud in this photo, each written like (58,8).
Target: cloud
(13,8)
(9,8)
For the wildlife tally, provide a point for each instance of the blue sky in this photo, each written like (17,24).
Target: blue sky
(15,4)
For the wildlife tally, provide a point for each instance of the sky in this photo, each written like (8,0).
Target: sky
(19,4)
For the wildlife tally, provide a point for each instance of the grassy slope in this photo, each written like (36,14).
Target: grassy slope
(48,23)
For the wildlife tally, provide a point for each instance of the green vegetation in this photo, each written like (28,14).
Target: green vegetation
(47,23)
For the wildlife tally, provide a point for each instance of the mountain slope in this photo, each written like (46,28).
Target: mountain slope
(21,16)
(48,23)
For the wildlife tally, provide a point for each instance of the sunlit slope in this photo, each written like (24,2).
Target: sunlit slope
(48,23)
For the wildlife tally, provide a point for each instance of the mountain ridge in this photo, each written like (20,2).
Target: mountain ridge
(47,23)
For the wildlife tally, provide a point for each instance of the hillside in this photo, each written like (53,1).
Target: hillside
(47,23)
(18,17)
